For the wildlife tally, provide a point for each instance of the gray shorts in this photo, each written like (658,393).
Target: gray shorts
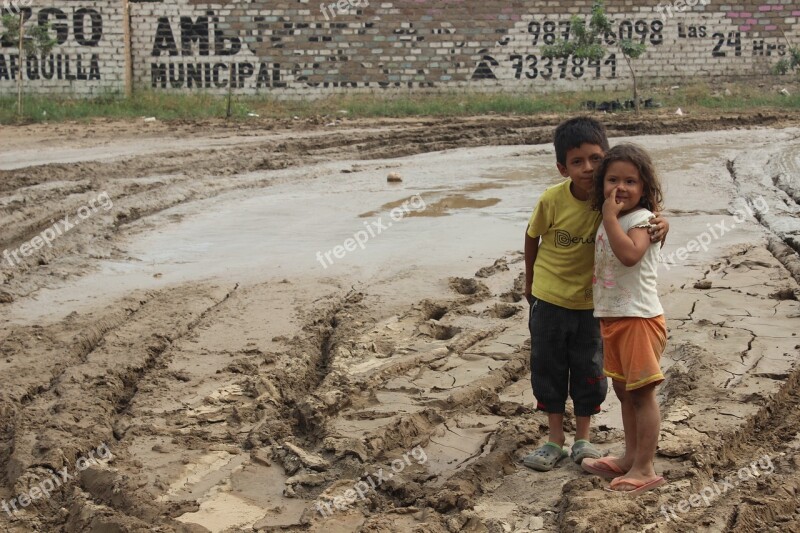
(566,356)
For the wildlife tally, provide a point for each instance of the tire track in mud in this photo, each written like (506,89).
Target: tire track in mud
(320,372)
(299,384)
(771,432)
(349,369)
(786,167)
(37,343)
(54,428)
(438,408)
(255,401)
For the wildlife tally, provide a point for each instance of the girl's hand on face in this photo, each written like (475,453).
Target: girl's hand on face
(612,207)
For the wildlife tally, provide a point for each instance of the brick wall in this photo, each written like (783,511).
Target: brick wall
(307,48)
(89,57)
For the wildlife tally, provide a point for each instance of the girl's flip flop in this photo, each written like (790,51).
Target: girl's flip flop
(638,486)
(602,467)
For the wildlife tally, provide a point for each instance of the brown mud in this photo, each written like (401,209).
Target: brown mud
(319,400)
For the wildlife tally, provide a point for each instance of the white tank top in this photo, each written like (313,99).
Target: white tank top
(621,291)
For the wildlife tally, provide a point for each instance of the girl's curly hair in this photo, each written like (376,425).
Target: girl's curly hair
(652,196)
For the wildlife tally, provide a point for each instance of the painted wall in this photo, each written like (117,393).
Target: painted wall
(307,48)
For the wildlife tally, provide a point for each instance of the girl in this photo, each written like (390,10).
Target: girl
(627,191)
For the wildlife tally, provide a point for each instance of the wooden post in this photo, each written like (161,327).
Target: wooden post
(21,64)
(126,26)
(230,90)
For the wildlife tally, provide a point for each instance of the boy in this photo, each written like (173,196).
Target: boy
(566,349)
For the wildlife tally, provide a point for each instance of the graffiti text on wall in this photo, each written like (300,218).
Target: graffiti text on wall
(78,27)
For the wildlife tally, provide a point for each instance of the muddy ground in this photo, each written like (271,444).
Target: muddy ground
(178,357)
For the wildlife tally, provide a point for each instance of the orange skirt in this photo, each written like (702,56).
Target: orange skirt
(632,349)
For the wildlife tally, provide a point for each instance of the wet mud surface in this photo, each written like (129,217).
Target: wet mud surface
(188,326)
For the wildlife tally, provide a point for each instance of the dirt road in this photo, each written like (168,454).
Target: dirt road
(246,328)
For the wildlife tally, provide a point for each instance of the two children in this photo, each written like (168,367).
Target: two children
(566,354)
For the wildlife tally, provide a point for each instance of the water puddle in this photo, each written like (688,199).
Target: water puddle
(338,225)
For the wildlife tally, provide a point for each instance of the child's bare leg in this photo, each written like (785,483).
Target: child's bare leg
(556,423)
(648,425)
(582,424)
(628,425)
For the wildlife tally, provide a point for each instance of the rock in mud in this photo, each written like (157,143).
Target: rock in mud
(347,446)
(262,456)
(311,460)
(501,265)
(438,331)
(306,479)
(784,294)
(468,287)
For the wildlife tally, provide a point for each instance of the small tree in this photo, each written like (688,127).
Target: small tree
(589,43)
(789,63)
(33,41)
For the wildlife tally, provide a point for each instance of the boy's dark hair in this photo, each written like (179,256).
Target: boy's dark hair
(576,131)
(652,197)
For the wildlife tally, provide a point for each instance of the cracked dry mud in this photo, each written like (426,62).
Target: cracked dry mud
(255,393)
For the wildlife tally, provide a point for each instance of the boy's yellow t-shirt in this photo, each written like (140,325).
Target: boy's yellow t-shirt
(562,272)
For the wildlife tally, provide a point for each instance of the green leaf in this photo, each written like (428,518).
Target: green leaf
(36,38)
(787,64)
(781,67)
(600,21)
(795,55)
(631,49)
(594,52)
(559,49)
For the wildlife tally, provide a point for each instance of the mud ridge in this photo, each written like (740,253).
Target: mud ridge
(304,376)
(779,246)
(111,390)
(786,255)
(499,456)
(783,406)
(770,497)
(84,343)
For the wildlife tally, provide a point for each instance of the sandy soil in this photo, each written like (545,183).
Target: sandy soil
(182,359)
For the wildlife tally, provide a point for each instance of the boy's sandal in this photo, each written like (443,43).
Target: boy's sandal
(545,458)
(583,449)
